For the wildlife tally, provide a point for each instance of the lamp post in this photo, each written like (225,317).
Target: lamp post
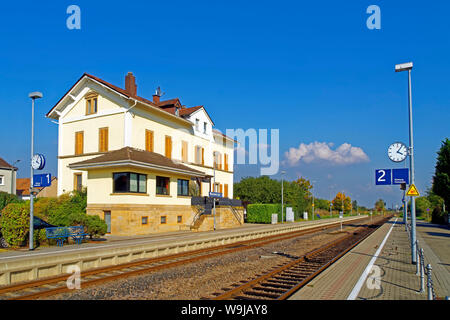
(399,68)
(33,96)
(12,176)
(282,193)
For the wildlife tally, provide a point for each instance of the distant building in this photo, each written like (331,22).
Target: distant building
(23,189)
(8,175)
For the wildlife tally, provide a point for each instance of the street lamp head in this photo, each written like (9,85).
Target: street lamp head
(283,172)
(35,95)
(403,67)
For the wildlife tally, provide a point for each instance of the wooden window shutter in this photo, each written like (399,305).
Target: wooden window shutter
(103,140)
(79,142)
(225,160)
(225,186)
(149,140)
(168,147)
(184,151)
(220,188)
(203,156)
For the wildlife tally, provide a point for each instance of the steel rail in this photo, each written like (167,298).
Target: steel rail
(286,290)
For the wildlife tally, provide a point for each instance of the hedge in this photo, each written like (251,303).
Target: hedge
(262,213)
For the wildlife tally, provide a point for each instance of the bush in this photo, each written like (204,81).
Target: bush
(95,226)
(7,198)
(262,213)
(15,222)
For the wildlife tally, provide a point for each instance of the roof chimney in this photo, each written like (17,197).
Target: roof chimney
(130,84)
(157,95)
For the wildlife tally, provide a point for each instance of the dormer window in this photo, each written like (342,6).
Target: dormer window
(91,104)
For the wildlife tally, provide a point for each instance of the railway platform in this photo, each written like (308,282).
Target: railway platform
(380,267)
(20,266)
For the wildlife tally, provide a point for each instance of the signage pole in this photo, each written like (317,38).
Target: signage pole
(405,210)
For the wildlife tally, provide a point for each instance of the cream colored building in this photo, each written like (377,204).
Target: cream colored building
(137,158)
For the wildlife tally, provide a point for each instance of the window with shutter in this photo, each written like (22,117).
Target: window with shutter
(225,160)
(79,142)
(77,182)
(168,147)
(184,151)
(225,186)
(103,140)
(203,156)
(149,140)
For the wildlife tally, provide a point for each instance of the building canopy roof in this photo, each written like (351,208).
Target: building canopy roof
(133,157)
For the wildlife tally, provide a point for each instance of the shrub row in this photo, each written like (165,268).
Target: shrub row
(67,210)
(262,213)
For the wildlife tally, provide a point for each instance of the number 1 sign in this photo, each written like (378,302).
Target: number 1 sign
(383,177)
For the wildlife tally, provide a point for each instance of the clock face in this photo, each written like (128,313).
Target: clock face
(397,152)
(38,162)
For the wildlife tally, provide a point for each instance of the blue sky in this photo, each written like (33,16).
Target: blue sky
(311,69)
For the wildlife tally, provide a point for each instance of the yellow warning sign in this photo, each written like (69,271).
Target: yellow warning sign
(412,191)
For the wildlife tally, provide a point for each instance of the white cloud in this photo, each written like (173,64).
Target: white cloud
(321,151)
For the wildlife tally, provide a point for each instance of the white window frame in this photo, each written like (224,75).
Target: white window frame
(2,180)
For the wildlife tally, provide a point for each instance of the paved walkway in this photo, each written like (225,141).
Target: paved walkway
(391,263)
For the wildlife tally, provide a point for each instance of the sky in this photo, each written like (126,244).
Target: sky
(312,69)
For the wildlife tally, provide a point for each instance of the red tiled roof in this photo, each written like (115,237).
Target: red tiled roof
(23,186)
(162,105)
(137,155)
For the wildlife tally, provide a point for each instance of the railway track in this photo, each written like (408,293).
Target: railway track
(55,285)
(283,281)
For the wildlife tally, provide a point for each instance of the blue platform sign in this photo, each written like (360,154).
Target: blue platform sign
(400,176)
(215,195)
(383,177)
(42,180)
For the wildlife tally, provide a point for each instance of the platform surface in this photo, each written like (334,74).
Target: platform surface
(397,279)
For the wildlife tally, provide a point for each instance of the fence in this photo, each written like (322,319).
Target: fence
(420,268)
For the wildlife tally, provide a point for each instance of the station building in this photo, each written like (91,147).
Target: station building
(142,161)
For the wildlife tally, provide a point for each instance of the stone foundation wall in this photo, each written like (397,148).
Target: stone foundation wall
(126,220)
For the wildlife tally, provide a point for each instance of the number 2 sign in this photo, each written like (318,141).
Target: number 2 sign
(383,177)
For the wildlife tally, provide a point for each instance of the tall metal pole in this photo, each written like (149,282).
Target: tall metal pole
(282,192)
(405,210)
(411,165)
(31,241)
(33,96)
(214,199)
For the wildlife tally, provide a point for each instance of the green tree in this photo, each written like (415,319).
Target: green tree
(422,204)
(441,178)
(258,190)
